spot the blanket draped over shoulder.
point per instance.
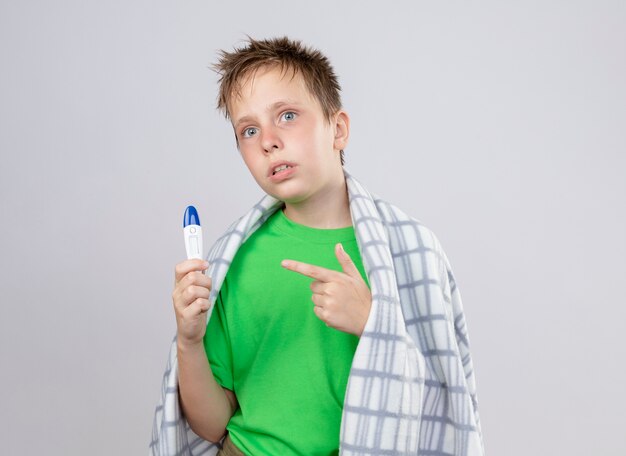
(411, 388)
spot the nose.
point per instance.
(270, 140)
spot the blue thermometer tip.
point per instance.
(191, 217)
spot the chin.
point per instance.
(290, 197)
(285, 191)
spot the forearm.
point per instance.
(205, 404)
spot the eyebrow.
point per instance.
(272, 107)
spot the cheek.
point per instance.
(320, 140)
(251, 162)
(247, 153)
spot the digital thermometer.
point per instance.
(193, 233)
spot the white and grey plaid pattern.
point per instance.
(411, 388)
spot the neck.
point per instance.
(327, 210)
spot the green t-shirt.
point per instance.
(265, 343)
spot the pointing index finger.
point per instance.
(309, 270)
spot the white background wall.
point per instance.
(500, 125)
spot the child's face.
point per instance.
(278, 122)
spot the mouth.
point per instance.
(280, 168)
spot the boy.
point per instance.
(299, 355)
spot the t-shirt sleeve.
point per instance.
(217, 342)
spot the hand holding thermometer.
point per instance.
(193, 233)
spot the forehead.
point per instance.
(268, 86)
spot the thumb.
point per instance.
(346, 262)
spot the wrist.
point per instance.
(188, 346)
(364, 319)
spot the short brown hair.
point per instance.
(287, 54)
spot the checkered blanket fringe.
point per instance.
(411, 389)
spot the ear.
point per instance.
(342, 130)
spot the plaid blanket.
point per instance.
(411, 388)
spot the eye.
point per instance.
(248, 132)
(289, 115)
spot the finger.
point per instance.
(195, 278)
(346, 262)
(318, 300)
(190, 294)
(318, 287)
(318, 312)
(192, 278)
(196, 308)
(184, 267)
(309, 270)
(321, 314)
(194, 291)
